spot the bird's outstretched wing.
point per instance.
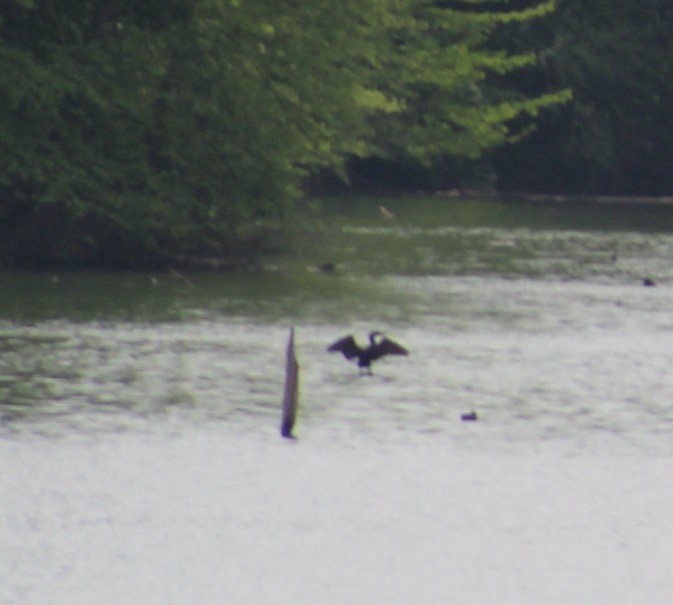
(347, 346)
(388, 347)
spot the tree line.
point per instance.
(141, 132)
(616, 136)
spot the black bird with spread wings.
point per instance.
(379, 345)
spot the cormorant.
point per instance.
(379, 345)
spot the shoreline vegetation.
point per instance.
(145, 134)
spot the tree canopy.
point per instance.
(616, 137)
(140, 131)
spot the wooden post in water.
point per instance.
(291, 393)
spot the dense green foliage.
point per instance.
(143, 131)
(617, 135)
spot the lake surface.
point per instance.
(139, 417)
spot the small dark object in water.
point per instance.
(649, 282)
(327, 268)
(469, 417)
(379, 346)
(291, 392)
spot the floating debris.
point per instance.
(385, 213)
(291, 393)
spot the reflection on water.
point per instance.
(546, 331)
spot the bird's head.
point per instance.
(374, 335)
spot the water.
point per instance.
(139, 418)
